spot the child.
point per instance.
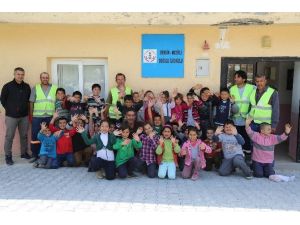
(60, 103)
(157, 120)
(75, 105)
(263, 147)
(167, 151)
(191, 115)
(232, 148)
(213, 158)
(193, 149)
(47, 154)
(125, 161)
(104, 157)
(225, 107)
(167, 105)
(95, 101)
(64, 146)
(128, 105)
(177, 112)
(82, 152)
(137, 102)
(147, 157)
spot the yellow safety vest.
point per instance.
(44, 105)
(261, 111)
(115, 96)
(243, 102)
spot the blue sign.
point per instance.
(163, 55)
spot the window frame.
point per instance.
(80, 63)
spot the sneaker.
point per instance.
(249, 177)
(100, 174)
(132, 175)
(33, 159)
(36, 164)
(8, 160)
(195, 176)
(25, 156)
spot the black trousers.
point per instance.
(108, 166)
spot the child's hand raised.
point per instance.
(173, 139)
(234, 131)
(74, 118)
(83, 117)
(57, 133)
(219, 130)
(80, 129)
(152, 134)
(161, 140)
(202, 146)
(288, 128)
(136, 137)
(248, 121)
(43, 126)
(139, 131)
(117, 132)
(55, 114)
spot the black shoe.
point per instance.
(25, 156)
(9, 160)
(32, 160)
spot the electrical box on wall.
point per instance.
(202, 67)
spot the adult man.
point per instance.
(241, 92)
(264, 103)
(131, 122)
(42, 107)
(117, 94)
(15, 100)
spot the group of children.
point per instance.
(190, 132)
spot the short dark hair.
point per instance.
(125, 127)
(166, 93)
(96, 86)
(262, 125)
(190, 94)
(192, 129)
(204, 89)
(135, 93)
(77, 93)
(242, 74)
(120, 74)
(60, 89)
(224, 90)
(229, 122)
(179, 96)
(62, 118)
(157, 115)
(104, 121)
(19, 69)
(210, 128)
(128, 98)
(131, 110)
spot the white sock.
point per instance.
(278, 178)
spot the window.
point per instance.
(80, 75)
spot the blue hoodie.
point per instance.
(48, 144)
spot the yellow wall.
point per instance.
(32, 46)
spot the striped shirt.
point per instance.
(263, 145)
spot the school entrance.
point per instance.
(283, 74)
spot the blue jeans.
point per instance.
(35, 129)
(65, 157)
(48, 162)
(167, 167)
(263, 169)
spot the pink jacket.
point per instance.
(188, 156)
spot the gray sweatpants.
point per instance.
(11, 125)
(228, 165)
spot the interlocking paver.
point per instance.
(24, 188)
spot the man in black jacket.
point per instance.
(15, 100)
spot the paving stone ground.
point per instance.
(27, 189)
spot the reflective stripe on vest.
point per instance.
(261, 112)
(243, 102)
(44, 105)
(115, 96)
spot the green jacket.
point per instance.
(97, 140)
(125, 152)
(167, 151)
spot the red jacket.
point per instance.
(64, 144)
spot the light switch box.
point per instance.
(202, 67)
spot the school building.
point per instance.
(157, 51)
